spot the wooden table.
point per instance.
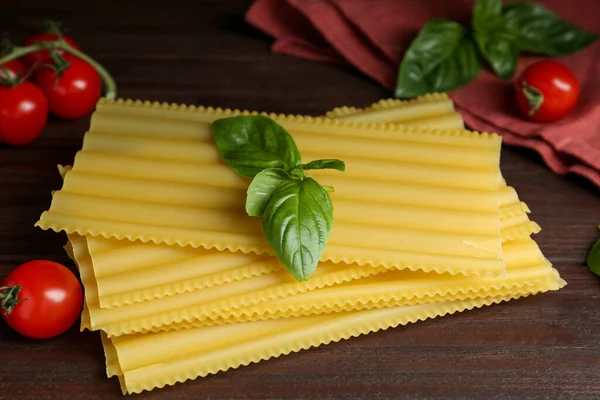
(194, 52)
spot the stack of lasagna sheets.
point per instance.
(182, 284)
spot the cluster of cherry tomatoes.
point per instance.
(42, 82)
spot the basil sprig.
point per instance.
(296, 211)
(593, 258)
(445, 55)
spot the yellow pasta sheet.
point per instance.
(244, 299)
(430, 111)
(151, 172)
(154, 360)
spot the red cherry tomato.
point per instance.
(46, 299)
(547, 91)
(43, 56)
(23, 113)
(75, 93)
(15, 69)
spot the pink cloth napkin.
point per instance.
(372, 35)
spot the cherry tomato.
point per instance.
(43, 56)
(41, 299)
(23, 113)
(547, 91)
(75, 93)
(14, 67)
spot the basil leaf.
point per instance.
(486, 12)
(539, 30)
(500, 49)
(497, 45)
(250, 144)
(593, 258)
(262, 188)
(324, 164)
(441, 58)
(296, 223)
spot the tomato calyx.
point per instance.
(60, 64)
(7, 80)
(10, 298)
(534, 97)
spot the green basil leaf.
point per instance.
(539, 30)
(250, 144)
(500, 49)
(593, 258)
(495, 42)
(297, 222)
(262, 188)
(441, 58)
(486, 12)
(325, 164)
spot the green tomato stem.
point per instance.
(534, 97)
(109, 82)
(10, 298)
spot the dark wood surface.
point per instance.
(194, 52)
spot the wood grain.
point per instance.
(201, 52)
